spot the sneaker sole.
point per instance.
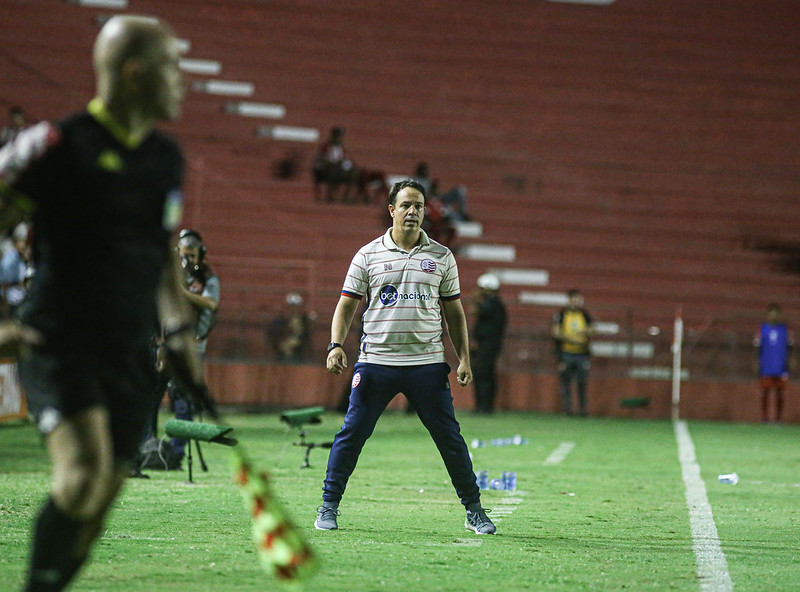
(320, 528)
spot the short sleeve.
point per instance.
(356, 283)
(450, 288)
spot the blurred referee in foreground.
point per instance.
(104, 190)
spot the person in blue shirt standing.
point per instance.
(774, 347)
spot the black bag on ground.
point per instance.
(158, 455)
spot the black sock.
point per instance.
(53, 562)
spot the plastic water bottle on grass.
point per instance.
(509, 481)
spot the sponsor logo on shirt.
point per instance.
(389, 296)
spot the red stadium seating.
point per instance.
(630, 150)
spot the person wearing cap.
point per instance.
(489, 329)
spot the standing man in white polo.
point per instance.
(410, 282)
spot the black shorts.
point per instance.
(65, 382)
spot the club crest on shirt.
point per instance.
(356, 380)
(427, 265)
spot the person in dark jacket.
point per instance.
(490, 327)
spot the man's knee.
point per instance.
(83, 491)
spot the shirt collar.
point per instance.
(97, 109)
(389, 243)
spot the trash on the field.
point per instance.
(731, 479)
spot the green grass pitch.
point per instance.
(612, 515)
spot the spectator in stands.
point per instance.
(453, 202)
(490, 325)
(438, 222)
(290, 334)
(16, 123)
(372, 186)
(14, 268)
(572, 330)
(333, 169)
(774, 343)
(422, 176)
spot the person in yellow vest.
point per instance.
(572, 330)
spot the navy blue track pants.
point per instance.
(428, 389)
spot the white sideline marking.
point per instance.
(712, 567)
(476, 542)
(510, 500)
(560, 453)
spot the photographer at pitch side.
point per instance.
(202, 290)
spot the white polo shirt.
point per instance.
(402, 324)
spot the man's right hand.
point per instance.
(337, 361)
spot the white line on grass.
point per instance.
(712, 567)
(560, 453)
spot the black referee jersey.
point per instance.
(104, 205)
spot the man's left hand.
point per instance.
(464, 373)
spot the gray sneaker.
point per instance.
(479, 523)
(326, 518)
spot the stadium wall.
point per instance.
(289, 386)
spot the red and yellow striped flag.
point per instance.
(282, 550)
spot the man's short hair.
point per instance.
(400, 185)
(573, 292)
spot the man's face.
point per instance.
(162, 80)
(576, 301)
(190, 254)
(774, 316)
(408, 210)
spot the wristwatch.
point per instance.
(333, 345)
